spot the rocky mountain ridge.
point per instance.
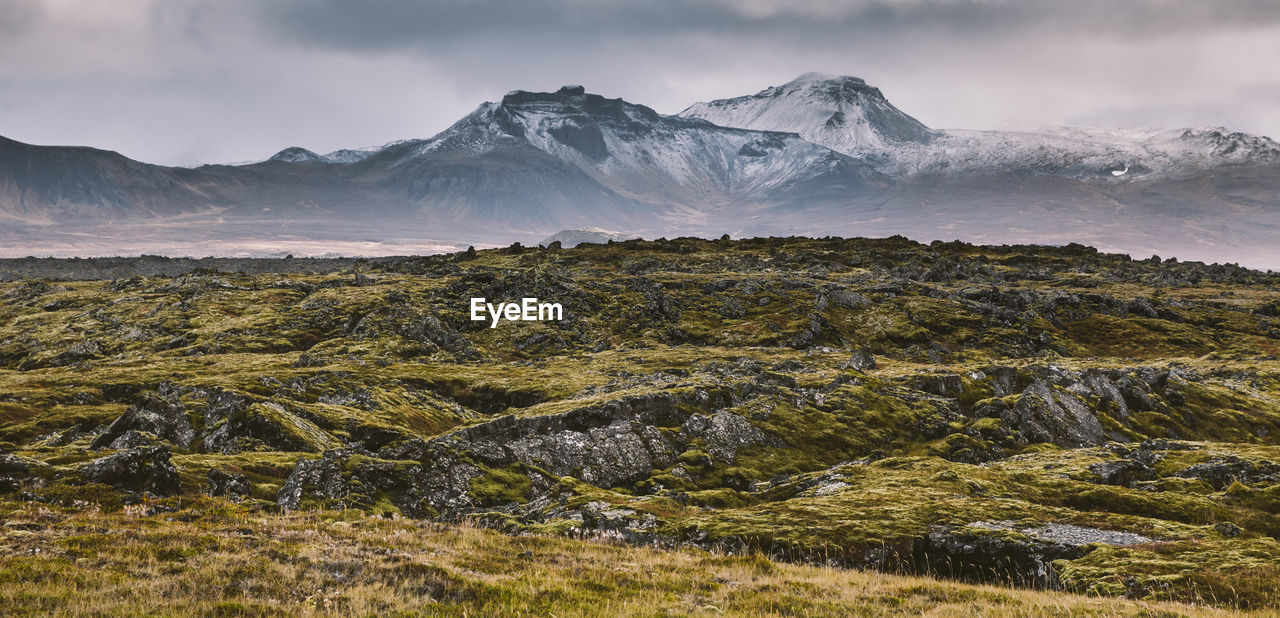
(818, 155)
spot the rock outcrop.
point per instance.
(141, 470)
(161, 417)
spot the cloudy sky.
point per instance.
(188, 81)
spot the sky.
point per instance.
(181, 82)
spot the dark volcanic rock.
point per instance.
(832, 296)
(439, 486)
(611, 444)
(164, 418)
(16, 471)
(268, 425)
(1221, 472)
(1125, 472)
(79, 351)
(234, 486)
(862, 360)
(725, 433)
(141, 470)
(1048, 414)
(1004, 380)
(946, 385)
(983, 557)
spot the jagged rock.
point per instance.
(374, 437)
(318, 477)
(725, 433)
(776, 379)
(984, 557)
(1221, 472)
(1024, 561)
(1046, 414)
(733, 308)
(271, 426)
(439, 485)
(609, 445)
(862, 360)
(1004, 380)
(1124, 473)
(836, 297)
(163, 418)
(139, 470)
(945, 385)
(235, 486)
(16, 471)
(221, 406)
(307, 360)
(1100, 385)
(79, 351)
(1227, 529)
(133, 439)
(600, 516)
(809, 336)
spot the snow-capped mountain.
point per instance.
(1081, 153)
(849, 116)
(840, 112)
(626, 160)
(816, 156)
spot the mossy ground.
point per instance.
(389, 355)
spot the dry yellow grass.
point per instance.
(210, 558)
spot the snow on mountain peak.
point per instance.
(815, 76)
(296, 154)
(837, 111)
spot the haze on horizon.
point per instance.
(182, 82)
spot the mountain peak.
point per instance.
(815, 77)
(841, 112)
(297, 154)
(574, 100)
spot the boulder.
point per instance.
(1048, 414)
(15, 471)
(163, 418)
(834, 297)
(232, 485)
(1124, 472)
(437, 486)
(1221, 472)
(268, 426)
(988, 557)
(1004, 379)
(943, 384)
(140, 470)
(726, 433)
(862, 360)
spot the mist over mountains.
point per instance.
(820, 155)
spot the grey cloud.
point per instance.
(380, 24)
(185, 81)
(19, 15)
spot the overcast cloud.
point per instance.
(188, 81)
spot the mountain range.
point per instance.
(818, 155)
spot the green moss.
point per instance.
(500, 486)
